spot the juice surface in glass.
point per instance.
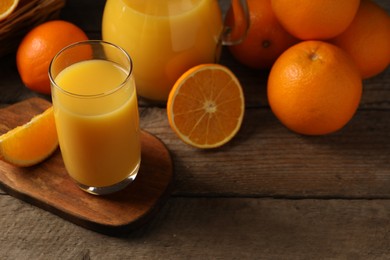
(164, 38)
(99, 136)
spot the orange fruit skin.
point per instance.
(315, 19)
(367, 39)
(31, 143)
(314, 88)
(38, 48)
(266, 39)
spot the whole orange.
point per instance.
(38, 48)
(315, 19)
(314, 88)
(367, 39)
(266, 39)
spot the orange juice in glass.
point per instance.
(96, 115)
(164, 38)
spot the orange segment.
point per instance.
(30, 143)
(206, 106)
(7, 7)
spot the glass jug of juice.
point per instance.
(165, 38)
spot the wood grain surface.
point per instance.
(267, 194)
(48, 185)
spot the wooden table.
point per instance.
(269, 193)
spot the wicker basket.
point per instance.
(27, 15)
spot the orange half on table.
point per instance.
(30, 143)
(206, 106)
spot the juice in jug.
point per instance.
(164, 38)
(99, 137)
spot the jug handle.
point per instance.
(237, 22)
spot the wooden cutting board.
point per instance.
(48, 186)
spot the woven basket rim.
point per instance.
(28, 14)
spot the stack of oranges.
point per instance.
(318, 53)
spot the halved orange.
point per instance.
(7, 7)
(30, 143)
(206, 106)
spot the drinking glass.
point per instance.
(96, 114)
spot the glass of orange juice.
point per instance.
(167, 37)
(96, 114)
